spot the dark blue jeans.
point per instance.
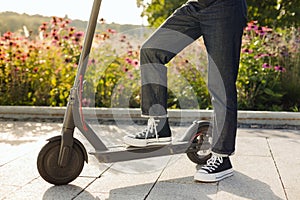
(220, 23)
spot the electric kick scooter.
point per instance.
(61, 160)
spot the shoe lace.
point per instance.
(213, 163)
(151, 128)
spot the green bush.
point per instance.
(39, 71)
(269, 69)
(289, 51)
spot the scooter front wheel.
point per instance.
(203, 135)
(47, 164)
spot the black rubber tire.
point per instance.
(203, 135)
(47, 164)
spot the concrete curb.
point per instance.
(249, 118)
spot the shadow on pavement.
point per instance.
(65, 192)
(237, 186)
(246, 187)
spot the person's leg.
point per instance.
(222, 24)
(178, 31)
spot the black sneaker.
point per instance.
(157, 133)
(216, 169)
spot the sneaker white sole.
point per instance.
(205, 177)
(144, 143)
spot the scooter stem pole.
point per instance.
(88, 40)
(72, 106)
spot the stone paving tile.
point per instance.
(17, 174)
(39, 189)
(122, 186)
(119, 195)
(268, 133)
(117, 183)
(293, 194)
(20, 138)
(18, 132)
(93, 168)
(177, 182)
(287, 158)
(255, 177)
(11, 152)
(20, 171)
(5, 190)
(177, 191)
(252, 146)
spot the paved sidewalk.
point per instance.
(266, 163)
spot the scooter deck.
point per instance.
(133, 153)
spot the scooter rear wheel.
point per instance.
(47, 164)
(203, 135)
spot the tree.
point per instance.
(273, 13)
(158, 10)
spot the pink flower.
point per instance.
(266, 66)
(247, 51)
(279, 68)
(128, 60)
(251, 26)
(12, 43)
(123, 38)
(78, 36)
(54, 20)
(130, 75)
(266, 29)
(135, 63)
(262, 55)
(91, 61)
(7, 35)
(125, 69)
(111, 30)
(71, 29)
